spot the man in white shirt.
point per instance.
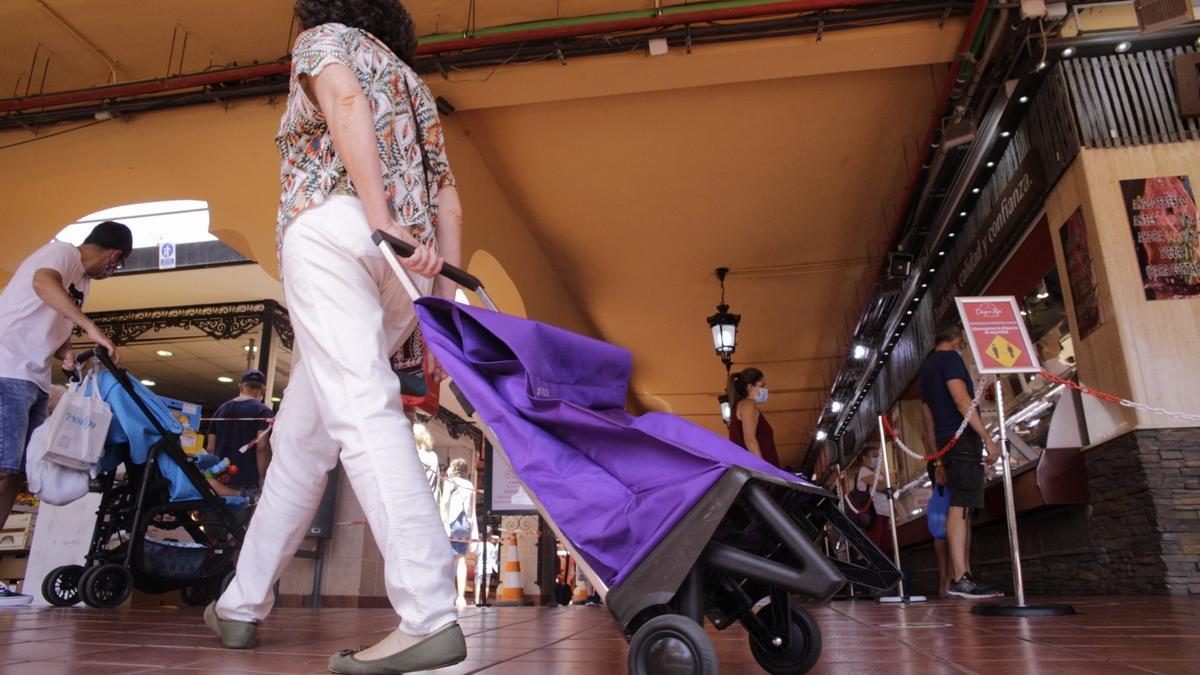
(40, 306)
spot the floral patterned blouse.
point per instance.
(312, 169)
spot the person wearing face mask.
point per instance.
(748, 427)
(40, 306)
(870, 481)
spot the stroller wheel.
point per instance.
(106, 586)
(672, 644)
(801, 651)
(195, 596)
(61, 586)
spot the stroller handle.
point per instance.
(101, 352)
(405, 249)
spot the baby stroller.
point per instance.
(160, 526)
(671, 523)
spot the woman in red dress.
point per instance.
(748, 427)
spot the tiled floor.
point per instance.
(1109, 635)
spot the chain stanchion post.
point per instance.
(887, 482)
(1014, 547)
(1010, 508)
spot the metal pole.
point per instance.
(1009, 507)
(887, 481)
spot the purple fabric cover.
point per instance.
(614, 483)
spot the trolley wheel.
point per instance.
(106, 586)
(61, 586)
(195, 596)
(801, 650)
(672, 644)
(218, 585)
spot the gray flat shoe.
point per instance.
(234, 634)
(443, 648)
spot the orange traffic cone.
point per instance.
(583, 590)
(512, 587)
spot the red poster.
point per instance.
(998, 336)
(1162, 213)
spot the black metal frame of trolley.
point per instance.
(128, 507)
(750, 537)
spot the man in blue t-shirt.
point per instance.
(948, 394)
(240, 433)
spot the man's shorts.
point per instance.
(964, 471)
(23, 407)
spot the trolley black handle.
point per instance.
(73, 375)
(405, 249)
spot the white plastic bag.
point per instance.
(52, 482)
(77, 428)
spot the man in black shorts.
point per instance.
(948, 393)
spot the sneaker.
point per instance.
(966, 587)
(988, 590)
(11, 599)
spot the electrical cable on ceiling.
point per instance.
(52, 134)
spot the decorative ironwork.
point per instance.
(221, 321)
(457, 427)
(282, 324)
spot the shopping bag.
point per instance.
(419, 388)
(52, 483)
(77, 428)
(937, 511)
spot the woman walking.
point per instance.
(362, 150)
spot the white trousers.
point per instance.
(349, 313)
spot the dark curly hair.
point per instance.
(387, 20)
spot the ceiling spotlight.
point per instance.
(164, 353)
(1024, 313)
(275, 399)
(991, 164)
(1066, 54)
(1023, 99)
(962, 214)
(1042, 65)
(860, 352)
(225, 379)
(951, 235)
(930, 269)
(1043, 292)
(941, 253)
(1124, 46)
(836, 406)
(821, 435)
(910, 312)
(1005, 134)
(975, 191)
(149, 383)
(924, 285)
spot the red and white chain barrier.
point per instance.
(962, 428)
(1049, 377)
(1084, 389)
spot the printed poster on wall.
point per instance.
(1162, 214)
(1080, 274)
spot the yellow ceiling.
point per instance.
(634, 176)
(84, 36)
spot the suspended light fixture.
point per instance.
(724, 325)
(821, 435)
(726, 411)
